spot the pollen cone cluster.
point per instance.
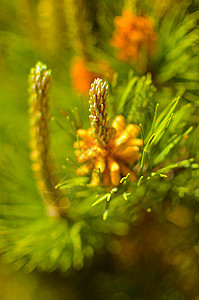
(106, 151)
(132, 34)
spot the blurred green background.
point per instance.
(54, 32)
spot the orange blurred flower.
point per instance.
(82, 76)
(106, 150)
(131, 34)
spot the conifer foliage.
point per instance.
(99, 170)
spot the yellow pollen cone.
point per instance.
(114, 171)
(95, 178)
(135, 142)
(127, 152)
(131, 131)
(78, 144)
(85, 169)
(84, 135)
(100, 164)
(119, 123)
(131, 157)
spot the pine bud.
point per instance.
(98, 110)
(40, 80)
